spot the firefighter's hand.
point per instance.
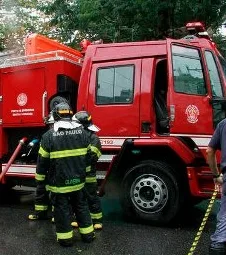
(218, 182)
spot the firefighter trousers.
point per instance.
(94, 202)
(62, 213)
(41, 200)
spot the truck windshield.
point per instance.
(223, 64)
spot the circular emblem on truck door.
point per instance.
(192, 113)
(21, 99)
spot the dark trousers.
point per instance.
(94, 202)
(62, 213)
(219, 235)
(41, 198)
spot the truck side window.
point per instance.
(187, 71)
(115, 85)
(215, 82)
(223, 64)
(214, 75)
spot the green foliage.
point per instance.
(70, 21)
(220, 41)
(2, 37)
(129, 20)
(20, 17)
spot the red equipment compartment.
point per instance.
(21, 104)
(23, 107)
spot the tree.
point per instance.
(126, 20)
(220, 41)
(70, 21)
(18, 18)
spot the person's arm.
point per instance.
(43, 161)
(212, 161)
(95, 148)
(214, 145)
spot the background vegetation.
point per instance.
(70, 21)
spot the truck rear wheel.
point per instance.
(151, 193)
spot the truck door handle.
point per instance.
(44, 96)
(145, 126)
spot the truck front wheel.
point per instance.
(151, 193)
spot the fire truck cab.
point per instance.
(157, 104)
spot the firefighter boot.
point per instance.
(217, 249)
(88, 238)
(74, 224)
(38, 215)
(66, 242)
(98, 226)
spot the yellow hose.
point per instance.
(204, 220)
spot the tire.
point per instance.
(57, 100)
(151, 193)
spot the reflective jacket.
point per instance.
(63, 157)
(95, 147)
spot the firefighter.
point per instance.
(61, 165)
(41, 194)
(91, 185)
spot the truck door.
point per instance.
(191, 90)
(114, 100)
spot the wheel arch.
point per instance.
(130, 155)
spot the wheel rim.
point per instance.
(149, 193)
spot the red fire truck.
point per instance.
(157, 104)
